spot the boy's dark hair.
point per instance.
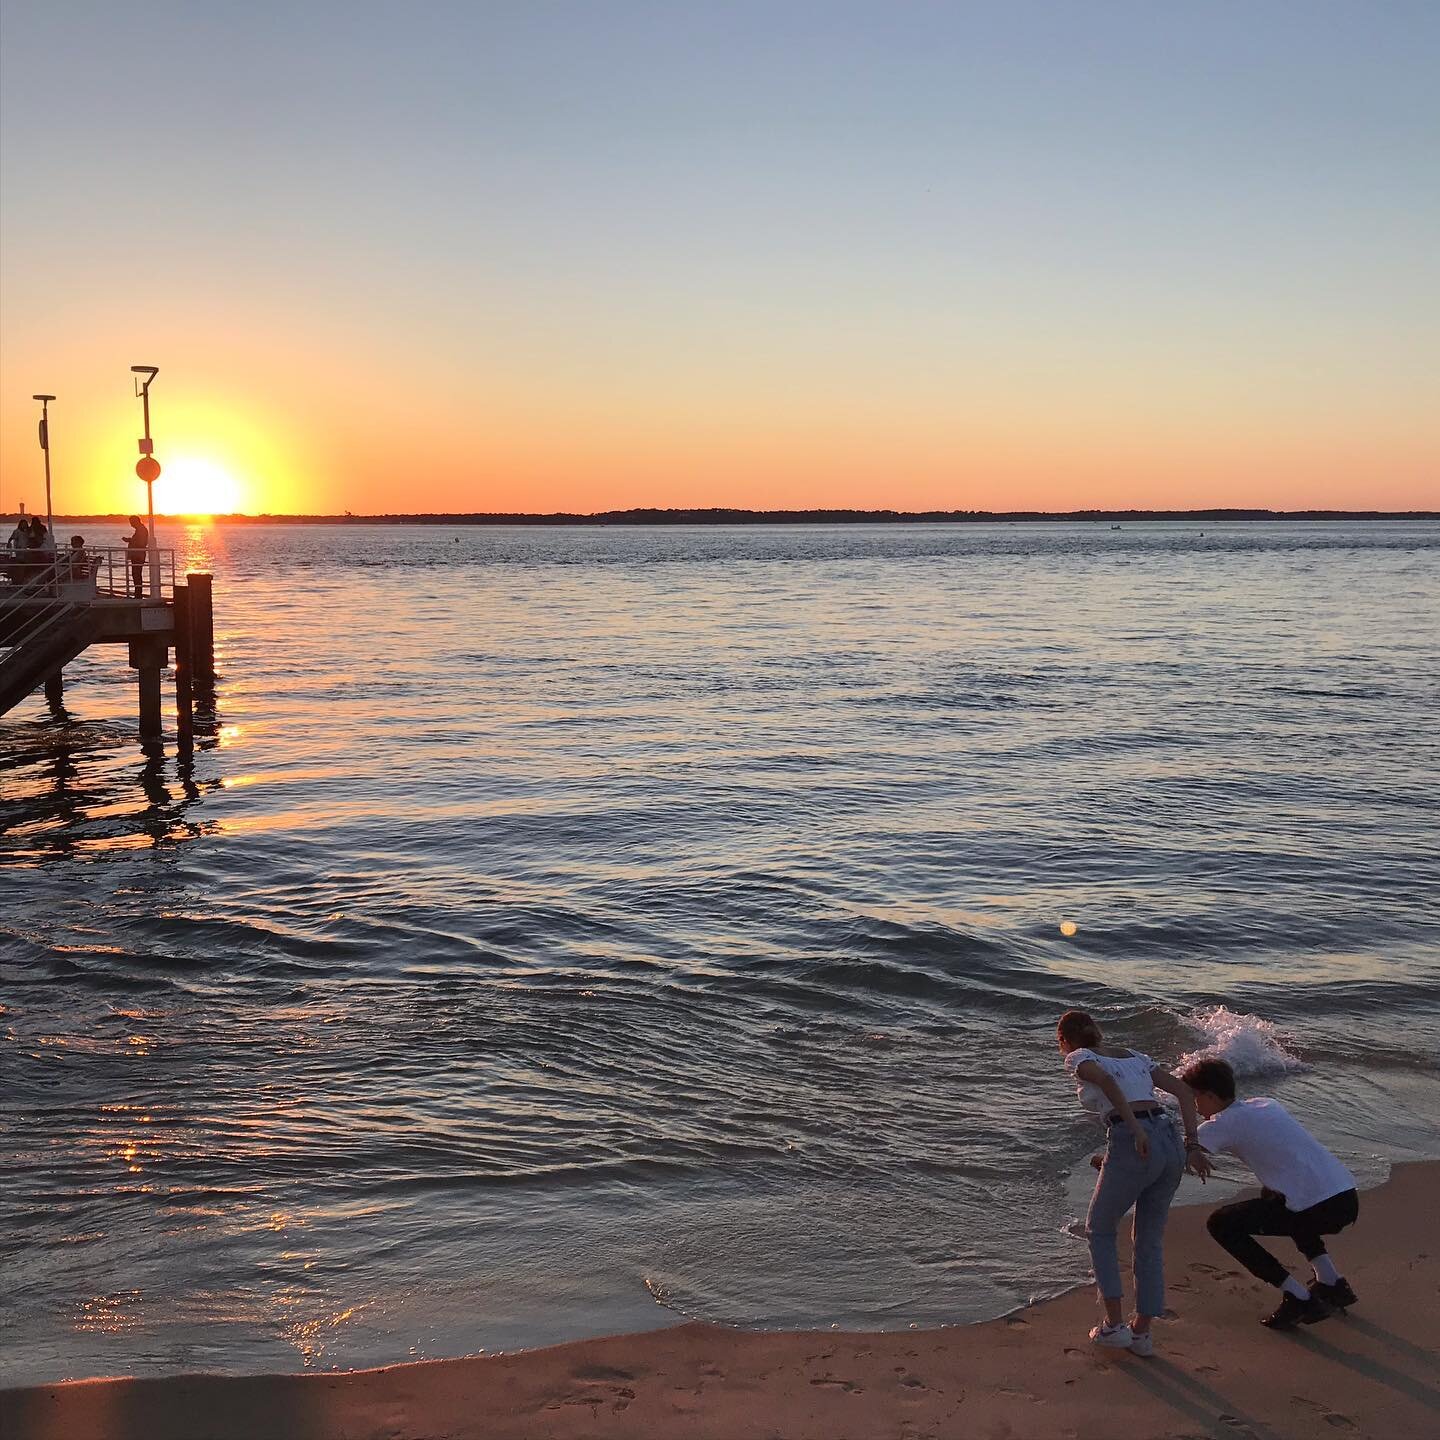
(1215, 1077)
(1077, 1028)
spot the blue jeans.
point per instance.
(1149, 1185)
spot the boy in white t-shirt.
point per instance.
(1307, 1193)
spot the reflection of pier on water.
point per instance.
(77, 788)
(74, 785)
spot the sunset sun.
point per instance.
(194, 485)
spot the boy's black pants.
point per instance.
(1235, 1227)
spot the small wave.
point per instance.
(1251, 1045)
(1312, 692)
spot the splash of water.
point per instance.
(1251, 1045)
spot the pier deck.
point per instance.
(51, 613)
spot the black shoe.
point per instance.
(1292, 1312)
(1337, 1296)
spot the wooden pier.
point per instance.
(50, 614)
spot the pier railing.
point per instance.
(30, 622)
(53, 608)
(80, 576)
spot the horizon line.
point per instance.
(720, 515)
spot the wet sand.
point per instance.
(1373, 1372)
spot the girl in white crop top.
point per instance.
(1131, 1071)
(1141, 1170)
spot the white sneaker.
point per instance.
(1142, 1343)
(1113, 1337)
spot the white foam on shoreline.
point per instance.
(1251, 1045)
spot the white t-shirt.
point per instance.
(1284, 1155)
(1131, 1074)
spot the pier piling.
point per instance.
(184, 691)
(55, 690)
(148, 658)
(202, 627)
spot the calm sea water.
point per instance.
(565, 931)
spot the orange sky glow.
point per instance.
(915, 261)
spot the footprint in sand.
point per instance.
(1332, 1418)
(1213, 1270)
(603, 1389)
(848, 1386)
(1238, 1427)
(617, 1397)
(600, 1372)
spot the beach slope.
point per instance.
(1375, 1372)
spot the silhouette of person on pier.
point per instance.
(15, 551)
(136, 545)
(32, 551)
(77, 559)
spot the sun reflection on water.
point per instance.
(313, 1335)
(116, 1313)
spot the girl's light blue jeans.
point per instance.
(1149, 1185)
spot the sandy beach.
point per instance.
(1373, 1372)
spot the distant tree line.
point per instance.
(719, 516)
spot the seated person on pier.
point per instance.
(77, 563)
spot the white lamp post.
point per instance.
(148, 469)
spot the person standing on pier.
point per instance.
(17, 550)
(137, 543)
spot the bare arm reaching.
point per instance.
(1196, 1160)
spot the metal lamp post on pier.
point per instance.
(45, 446)
(148, 469)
